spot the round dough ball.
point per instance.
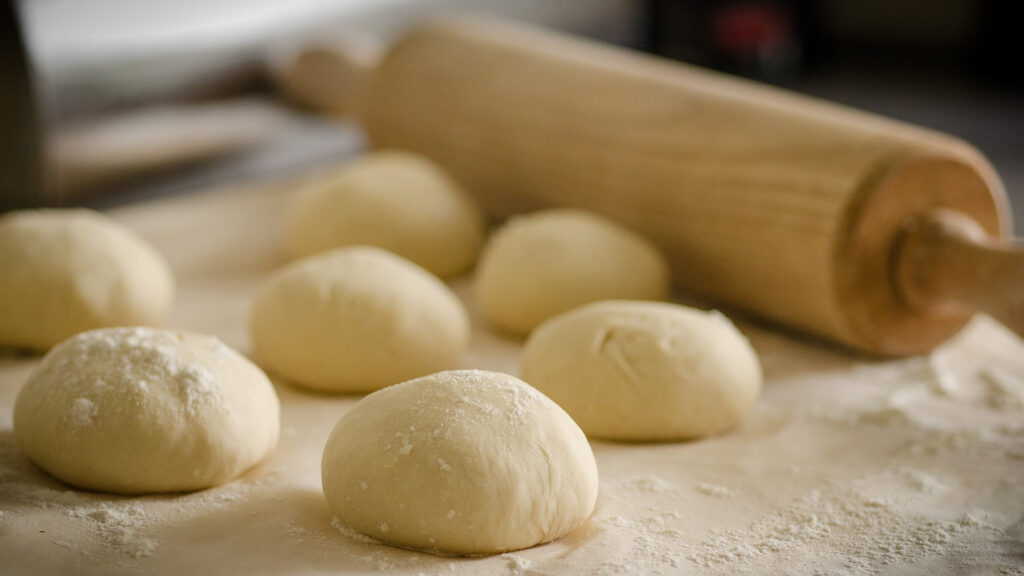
(644, 370)
(542, 264)
(356, 320)
(137, 410)
(66, 271)
(461, 462)
(398, 201)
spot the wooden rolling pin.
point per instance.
(872, 233)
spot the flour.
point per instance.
(141, 358)
(91, 523)
(650, 484)
(352, 534)
(864, 534)
(122, 526)
(943, 381)
(198, 386)
(406, 448)
(517, 565)
(82, 413)
(380, 556)
(1006, 391)
(714, 490)
(912, 398)
(514, 404)
(922, 481)
(653, 546)
(300, 535)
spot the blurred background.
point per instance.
(113, 100)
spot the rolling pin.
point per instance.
(872, 233)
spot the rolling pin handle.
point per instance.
(945, 262)
(328, 75)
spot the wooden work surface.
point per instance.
(847, 465)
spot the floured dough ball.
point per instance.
(545, 263)
(461, 462)
(356, 320)
(67, 271)
(398, 201)
(644, 370)
(137, 410)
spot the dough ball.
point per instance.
(66, 271)
(137, 410)
(545, 263)
(355, 320)
(644, 370)
(461, 462)
(398, 201)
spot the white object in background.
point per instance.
(110, 50)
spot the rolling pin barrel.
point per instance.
(763, 200)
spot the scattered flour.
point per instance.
(648, 483)
(922, 482)
(98, 524)
(1006, 391)
(517, 565)
(121, 525)
(406, 448)
(714, 490)
(942, 380)
(383, 557)
(82, 413)
(300, 534)
(142, 358)
(653, 545)
(864, 534)
(352, 534)
(901, 410)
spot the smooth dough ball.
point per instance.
(138, 410)
(398, 201)
(542, 264)
(461, 462)
(355, 320)
(66, 271)
(644, 370)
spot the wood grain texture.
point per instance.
(764, 200)
(948, 264)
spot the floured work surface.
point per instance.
(848, 465)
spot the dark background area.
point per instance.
(951, 65)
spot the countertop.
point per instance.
(847, 465)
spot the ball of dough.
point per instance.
(398, 201)
(461, 462)
(355, 320)
(137, 410)
(66, 271)
(644, 370)
(545, 263)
